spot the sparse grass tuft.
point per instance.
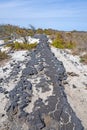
(3, 56)
(21, 46)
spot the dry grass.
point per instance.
(21, 46)
(76, 41)
(3, 56)
(84, 58)
(59, 42)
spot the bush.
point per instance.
(21, 46)
(58, 44)
(61, 44)
(3, 56)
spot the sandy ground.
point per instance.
(17, 56)
(76, 83)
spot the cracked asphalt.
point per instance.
(38, 101)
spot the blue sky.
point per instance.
(57, 14)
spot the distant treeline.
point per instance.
(8, 29)
(76, 37)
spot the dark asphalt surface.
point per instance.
(53, 114)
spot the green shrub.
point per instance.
(58, 44)
(3, 56)
(61, 44)
(21, 46)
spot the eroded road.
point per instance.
(38, 101)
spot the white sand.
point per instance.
(77, 97)
(37, 93)
(17, 56)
